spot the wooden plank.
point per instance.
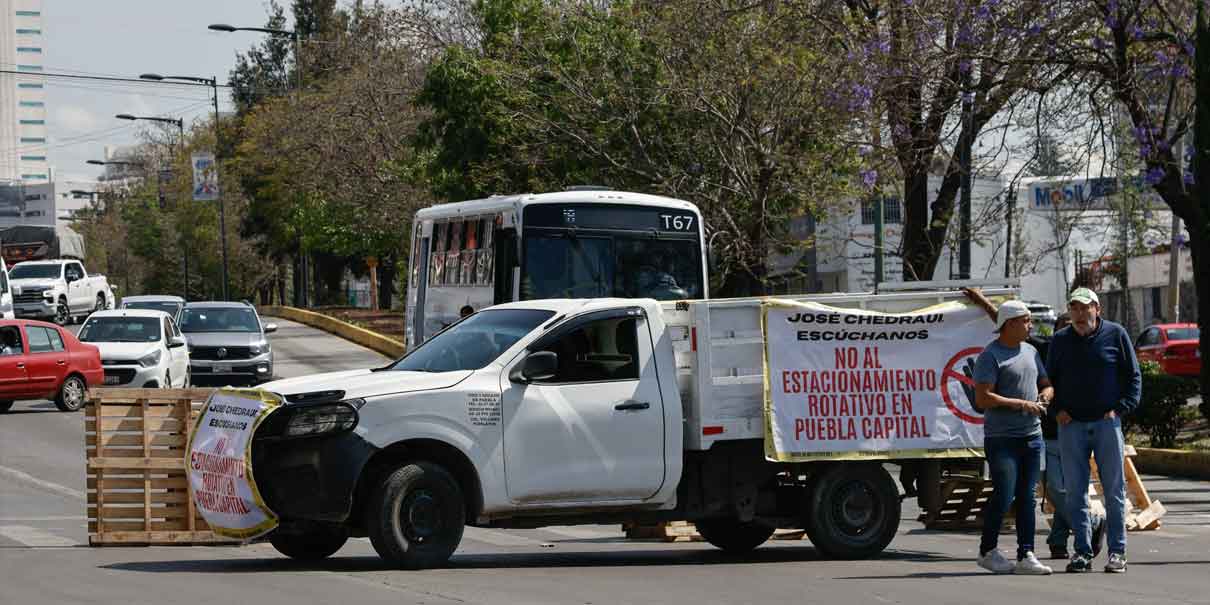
(135, 410)
(160, 537)
(137, 463)
(166, 424)
(138, 497)
(1149, 518)
(138, 525)
(176, 483)
(126, 452)
(137, 512)
(158, 440)
(1134, 487)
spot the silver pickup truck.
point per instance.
(58, 289)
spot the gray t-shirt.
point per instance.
(1013, 373)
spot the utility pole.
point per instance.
(964, 159)
(1008, 247)
(879, 240)
(1174, 260)
(1124, 266)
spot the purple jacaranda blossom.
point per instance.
(1188, 45)
(1144, 151)
(1098, 44)
(1136, 32)
(1180, 70)
(968, 97)
(864, 150)
(1154, 176)
(1034, 29)
(984, 12)
(1111, 22)
(869, 178)
(964, 66)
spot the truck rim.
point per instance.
(421, 516)
(854, 511)
(61, 313)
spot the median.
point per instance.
(369, 339)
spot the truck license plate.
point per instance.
(222, 369)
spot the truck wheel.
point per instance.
(100, 306)
(5, 406)
(71, 394)
(416, 516)
(854, 511)
(62, 313)
(317, 542)
(734, 536)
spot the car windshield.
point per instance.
(473, 342)
(1184, 333)
(169, 307)
(219, 319)
(121, 329)
(24, 271)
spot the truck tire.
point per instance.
(853, 511)
(416, 516)
(734, 536)
(71, 394)
(62, 312)
(5, 406)
(317, 542)
(101, 304)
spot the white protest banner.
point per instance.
(205, 177)
(219, 463)
(848, 384)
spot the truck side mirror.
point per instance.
(541, 365)
(270, 328)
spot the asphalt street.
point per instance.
(44, 557)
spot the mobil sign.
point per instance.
(1071, 194)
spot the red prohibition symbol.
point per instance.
(951, 372)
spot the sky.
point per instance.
(125, 38)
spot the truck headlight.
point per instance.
(259, 348)
(321, 419)
(150, 359)
(48, 294)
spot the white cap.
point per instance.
(1010, 310)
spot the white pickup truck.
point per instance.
(562, 412)
(58, 289)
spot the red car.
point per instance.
(1173, 346)
(40, 360)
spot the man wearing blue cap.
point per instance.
(1097, 381)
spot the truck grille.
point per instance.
(28, 297)
(211, 353)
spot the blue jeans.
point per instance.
(1102, 439)
(1056, 494)
(1015, 463)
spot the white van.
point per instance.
(6, 295)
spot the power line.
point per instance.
(41, 74)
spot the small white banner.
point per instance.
(220, 463)
(850, 384)
(205, 177)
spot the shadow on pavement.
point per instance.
(558, 559)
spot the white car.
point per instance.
(139, 348)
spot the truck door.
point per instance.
(78, 295)
(594, 431)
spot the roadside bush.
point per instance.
(1159, 414)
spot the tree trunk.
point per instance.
(1199, 247)
(386, 281)
(919, 257)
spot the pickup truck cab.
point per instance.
(562, 412)
(58, 289)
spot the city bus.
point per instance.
(580, 243)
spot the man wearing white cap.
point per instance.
(1097, 381)
(1012, 390)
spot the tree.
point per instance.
(1049, 159)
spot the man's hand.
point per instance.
(1033, 408)
(1063, 417)
(1110, 415)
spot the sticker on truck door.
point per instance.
(219, 463)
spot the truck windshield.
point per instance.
(219, 319)
(473, 342)
(566, 266)
(24, 271)
(121, 329)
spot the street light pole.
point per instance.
(222, 213)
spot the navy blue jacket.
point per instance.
(1094, 374)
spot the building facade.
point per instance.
(23, 150)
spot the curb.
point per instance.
(1179, 463)
(370, 340)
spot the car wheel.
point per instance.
(5, 406)
(62, 313)
(416, 516)
(71, 394)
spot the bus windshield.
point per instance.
(562, 265)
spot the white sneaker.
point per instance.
(1030, 566)
(995, 562)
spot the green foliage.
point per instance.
(1159, 415)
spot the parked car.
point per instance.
(1043, 316)
(43, 361)
(172, 305)
(6, 295)
(58, 289)
(1173, 346)
(228, 342)
(139, 348)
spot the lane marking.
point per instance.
(34, 537)
(33, 481)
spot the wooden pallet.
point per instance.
(670, 531)
(138, 493)
(961, 505)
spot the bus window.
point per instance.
(659, 269)
(567, 267)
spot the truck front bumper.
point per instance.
(310, 478)
(44, 308)
(254, 371)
